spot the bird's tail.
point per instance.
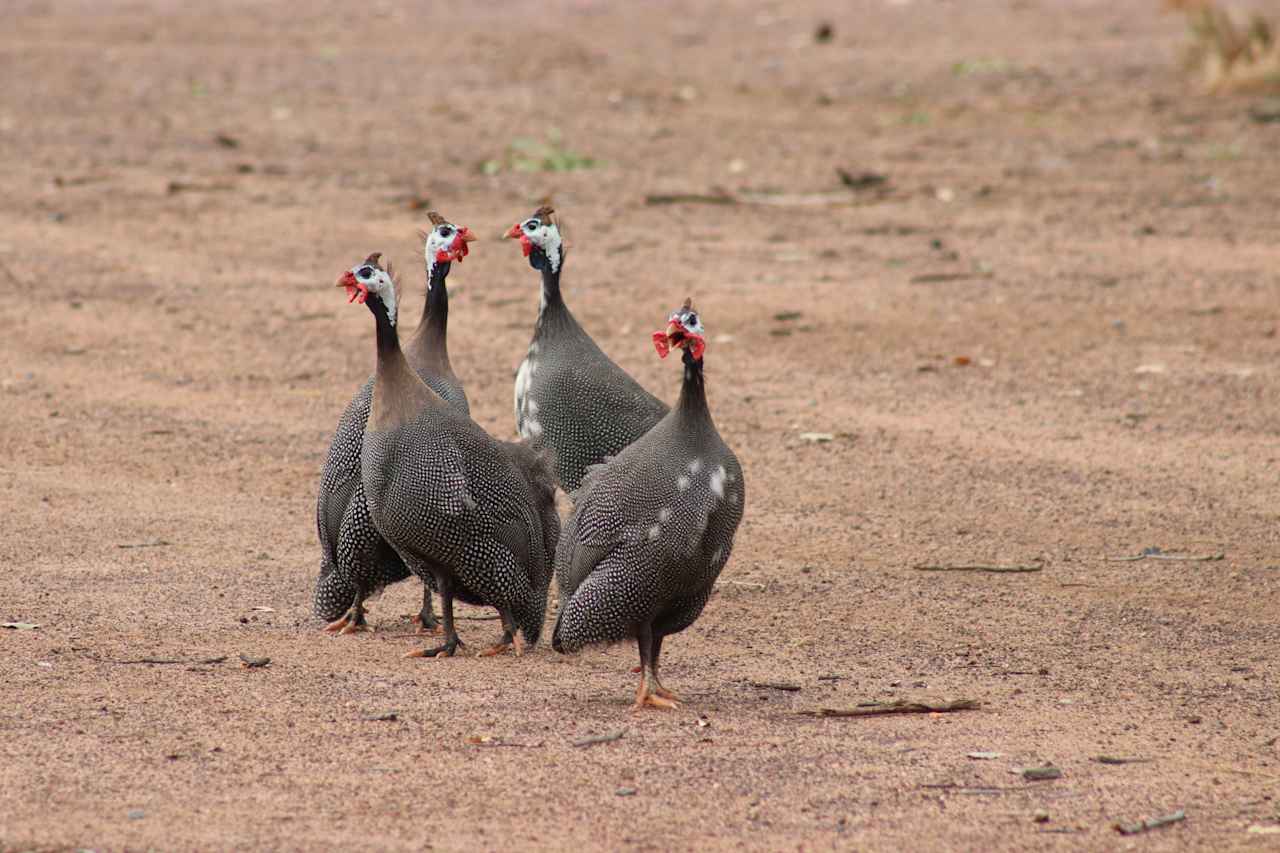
(334, 593)
(531, 617)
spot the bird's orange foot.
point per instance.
(666, 694)
(653, 700)
(506, 644)
(351, 621)
(652, 695)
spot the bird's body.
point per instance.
(569, 396)
(356, 562)
(472, 514)
(464, 511)
(649, 533)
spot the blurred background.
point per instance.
(985, 281)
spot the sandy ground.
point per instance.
(1060, 210)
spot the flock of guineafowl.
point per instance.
(413, 486)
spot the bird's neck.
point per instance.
(551, 298)
(552, 312)
(398, 393)
(388, 338)
(692, 404)
(431, 336)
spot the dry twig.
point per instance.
(496, 742)
(940, 277)
(777, 685)
(1039, 774)
(1034, 567)
(968, 789)
(1150, 823)
(690, 198)
(1111, 759)
(166, 660)
(897, 706)
(1154, 554)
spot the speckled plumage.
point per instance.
(452, 500)
(356, 562)
(650, 531)
(475, 514)
(570, 396)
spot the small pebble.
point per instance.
(626, 792)
(1040, 816)
(136, 814)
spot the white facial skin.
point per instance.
(689, 320)
(440, 239)
(379, 282)
(546, 236)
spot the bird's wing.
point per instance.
(340, 478)
(437, 482)
(594, 528)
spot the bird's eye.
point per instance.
(445, 230)
(691, 319)
(365, 272)
(532, 225)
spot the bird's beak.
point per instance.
(676, 337)
(355, 290)
(672, 337)
(513, 233)
(466, 235)
(675, 334)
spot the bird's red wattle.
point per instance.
(460, 249)
(357, 292)
(660, 344)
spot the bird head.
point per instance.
(539, 237)
(369, 278)
(445, 242)
(684, 330)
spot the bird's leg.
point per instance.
(658, 689)
(451, 641)
(510, 638)
(351, 621)
(426, 620)
(646, 693)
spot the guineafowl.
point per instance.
(355, 560)
(475, 515)
(652, 528)
(569, 396)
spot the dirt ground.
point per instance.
(179, 188)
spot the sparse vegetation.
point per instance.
(525, 154)
(1230, 56)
